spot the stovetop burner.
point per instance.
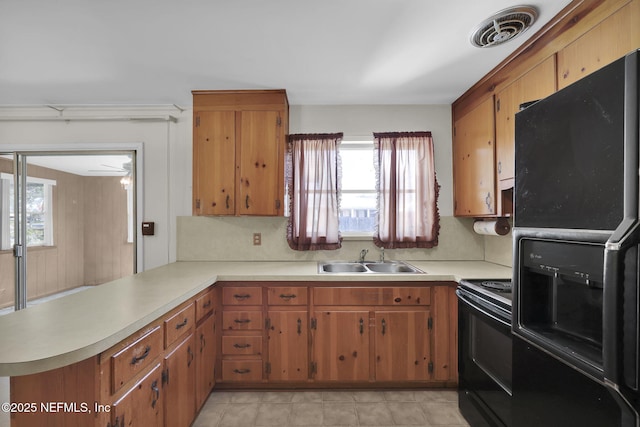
(496, 285)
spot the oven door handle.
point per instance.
(469, 302)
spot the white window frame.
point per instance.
(6, 180)
(365, 145)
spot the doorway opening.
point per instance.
(67, 223)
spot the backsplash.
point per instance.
(231, 239)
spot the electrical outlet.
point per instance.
(257, 239)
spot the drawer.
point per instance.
(179, 324)
(135, 357)
(396, 295)
(233, 345)
(242, 320)
(287, 295)
(241, 370)
(204, 305)
(242, 295)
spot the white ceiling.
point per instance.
(322, 52)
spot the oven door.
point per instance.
(484, 361)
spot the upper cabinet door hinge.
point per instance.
(279, 121)
(278, 204)
(267, 323)
(430, 367)
(267, 367)
(498, 105)
(313, 323)
(197, 121)
(313, 366)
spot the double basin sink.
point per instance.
(386, 267)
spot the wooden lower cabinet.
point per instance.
(363, 334)
(403, 345)
(340, 341)
(179, 379)
(287, 334)
(206, 351)
(143, 404)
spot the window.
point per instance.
(39, 224)
(358, 192)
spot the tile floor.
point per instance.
(331, 408)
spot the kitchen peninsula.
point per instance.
(103, 344)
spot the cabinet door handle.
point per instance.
(242, 346)
(242, 297)
(203, 342)
(156, 392)
(227, 201)
(242, 320)
(143, 356)
(384, 326)
(246, 201)
(361, 326)
(191, 357)
(287, 297)
(241, 371)
(299, 326)
(182, 324)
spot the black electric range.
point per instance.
(484, 351)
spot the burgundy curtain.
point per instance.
(313, 179)
(407, 190)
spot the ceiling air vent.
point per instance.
(503, 26)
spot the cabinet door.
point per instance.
(261, 183)
(288, 345)
(214, 159)
(143, 404)
(536, 84)
(613, 38)
(341, 346)
(474, 163)
(206, 353)
(179, 384)
(402, 345)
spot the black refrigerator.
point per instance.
(576, 253)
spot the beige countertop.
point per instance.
(67, 330)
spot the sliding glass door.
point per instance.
(68, 222)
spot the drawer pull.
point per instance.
(241, 297)
(287, 297)
(183, 324)
(242, 320)
(398, 299)
(241, 371)
(207, 304)
(143, 356)
(242, 346)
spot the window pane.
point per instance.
(358, 172)
(357, 213)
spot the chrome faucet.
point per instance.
(363, 253)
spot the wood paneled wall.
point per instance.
(90, 237)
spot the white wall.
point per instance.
(160, 142)
(167, 172)
(362, 120)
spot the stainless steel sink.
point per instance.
(387, 267)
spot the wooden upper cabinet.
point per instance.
(536, 84)
(474, 162)
(239, 140)
(611, 39)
